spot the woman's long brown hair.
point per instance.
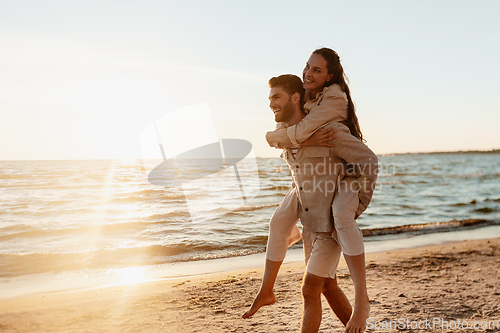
(339, 77)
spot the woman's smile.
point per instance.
(315, 74)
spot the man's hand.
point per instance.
(320, 138)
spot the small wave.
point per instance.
(59, 203)
(16, 228)
(149, 195)
(461, 204)
(17, 176)
(172, 196)
(16, 205)
(128, 199)
(222, 254)
(103, 230)
(47, 211)
(149, 192)
(256, 207)
(411, 207)
(429, 227)
(169, 216)
(394, 182)
(277, 194)
(493, 176)
(385, 174)
(277, 188)
(486, 210)
(432, 175)
(255, 240)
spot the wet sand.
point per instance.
(454, 282)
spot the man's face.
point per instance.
(281, 104)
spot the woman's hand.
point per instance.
(320, 138)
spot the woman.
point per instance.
(327, 99)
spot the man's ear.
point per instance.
(296, 98)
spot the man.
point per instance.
(317, 172)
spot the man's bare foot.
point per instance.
(357, 323)
(259, 301)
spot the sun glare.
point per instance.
(128, 162)
(131, 275)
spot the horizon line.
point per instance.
(475, 151)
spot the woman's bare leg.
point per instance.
(283, 232)
(266, 294)
(350, 238)
(356, 265)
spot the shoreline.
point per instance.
(453, 280)
(71, 282)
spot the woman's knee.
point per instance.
(283, 223)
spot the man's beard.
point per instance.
(285, 113)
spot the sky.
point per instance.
(83, 79)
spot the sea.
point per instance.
(67, 225)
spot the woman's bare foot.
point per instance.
(260, 301)
(357, 323)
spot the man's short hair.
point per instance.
(290, 83)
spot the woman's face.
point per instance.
(315, 74)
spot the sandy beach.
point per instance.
(454, 282)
